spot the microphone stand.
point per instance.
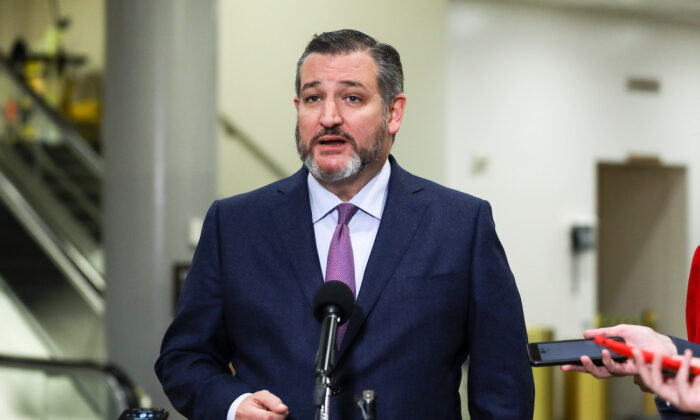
(368, 404)
(325, 362)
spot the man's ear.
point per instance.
(296, 103)
(398, 104)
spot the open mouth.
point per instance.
(332, 139)
(332, 142)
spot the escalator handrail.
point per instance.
(87, 280)
(92, 161)
(118, 381)
(234, 132)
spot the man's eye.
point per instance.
(352, 98)
(313, 98)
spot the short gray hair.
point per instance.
(346, 41)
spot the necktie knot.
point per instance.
(345, 212)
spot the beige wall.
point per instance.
(30, 19)
(259, 44)
(258, 47)
(13, 15)
(537, 98)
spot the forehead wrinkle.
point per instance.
(342, 67)
(353, 83)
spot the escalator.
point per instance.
(65, 389)
(51, 255)
(60, 171)
(65, 308)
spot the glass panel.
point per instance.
(31, 394)
(42, 153)
(21, 393)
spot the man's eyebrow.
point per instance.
(315, 83)
(310, 84)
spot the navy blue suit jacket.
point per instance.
(437, 289)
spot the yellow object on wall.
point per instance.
(544, 378)
(87, 111)
(586, 397)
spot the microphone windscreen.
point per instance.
(334, 293)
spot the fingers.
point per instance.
(636, 335)
(623, 368)
(597, 371)
(573, 368)
(270, 401)
(262, 405)
(610, 364)
(684, 391)
(665, 387)
(621, 330)
(641, 384)
(606, 332)
(646, 372)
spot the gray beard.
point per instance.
(352, 167)
(357, 162)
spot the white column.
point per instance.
(159, 128)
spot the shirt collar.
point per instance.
(370, 199)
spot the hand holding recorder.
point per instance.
(681, 390)
(667, 362)
(633, 335)
(565, 352)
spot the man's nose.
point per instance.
(330, 116)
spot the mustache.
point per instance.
(333, 131)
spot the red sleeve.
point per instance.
(692, 308)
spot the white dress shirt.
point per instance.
(363, 225)
(363, 229)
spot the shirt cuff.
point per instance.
(234, 406)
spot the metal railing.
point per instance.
(50, 208)
(102, 390)
(88, 281)
(249, 144)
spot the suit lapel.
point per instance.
(292, 216)
(402, 215)
(400, 219)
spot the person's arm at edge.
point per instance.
(634, 335)
(499, 375)
(234, 406)
(682, 345)
(193, 364)
(665, 408)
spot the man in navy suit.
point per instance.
(432, 282)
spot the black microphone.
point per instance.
(333, 304)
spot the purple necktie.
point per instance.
(341, 264)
